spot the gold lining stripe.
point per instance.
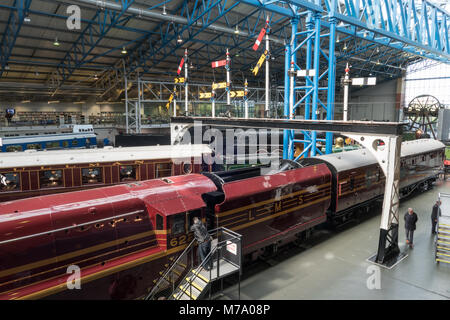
(279, 214)
(102, 273)
(73, 254)
(79, 262)
(226, 213)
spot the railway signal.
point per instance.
(205, 95)
(170, 101)
(261, 35)
(180, 67)
(217, 64)
(356, 82)
(220, 85)
(261, 60)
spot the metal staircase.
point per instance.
(443, 240)
(186, 280)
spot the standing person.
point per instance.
(204, 241)
(410, 225)
(435, 213)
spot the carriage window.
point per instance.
(52, 145)
(50, 179)
(92, 175)
(74, 143)
(352, 183)
(163, 170)
(178, 224)
(423, 158)
(65, 144)
(34, 146)
(14, 148)
(9, 181)
(127, 173)
(159, 222)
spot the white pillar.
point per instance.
(245, 99)
(228, 78)
(213, 102)
(346, 87)
(186, 103)
(267, 76)
(291, 92)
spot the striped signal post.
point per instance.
(246, 99)
(267, 76)
(213, 101)
(227, 67)
(186, 86)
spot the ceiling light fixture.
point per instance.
(56, 43)
(191, 66)
(237, 30)
(164, 10)
(179, 40)
(27, 18)
(54, 101)
(124, 51)
(26, 101)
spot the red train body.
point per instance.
(124, 237)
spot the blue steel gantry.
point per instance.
(419, 27)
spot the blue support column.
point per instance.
(286, 140)
(310, 93)
(331, 83)
(315, 100)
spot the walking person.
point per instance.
(435, 213)
(410, 225)
(204, 241)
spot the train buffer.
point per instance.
(443, 240)
(186, 280)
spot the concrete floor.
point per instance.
(334, 266)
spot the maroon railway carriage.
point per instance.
(124, 237)
(358, 180)
(28, 174)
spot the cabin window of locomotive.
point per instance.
(74, 143)
(9, 181)
(14, 148)
(159, 222)
(187, 168)
(34, 146)
(50, 179)
(65, 144)
(91, 175)
(163, 170)
(178, 224)
(127, 173)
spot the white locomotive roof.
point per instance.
(48, 137)
(348, 160)
(73, 156)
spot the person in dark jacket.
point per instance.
(435, 213)
(410, 226)
(204, 241)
